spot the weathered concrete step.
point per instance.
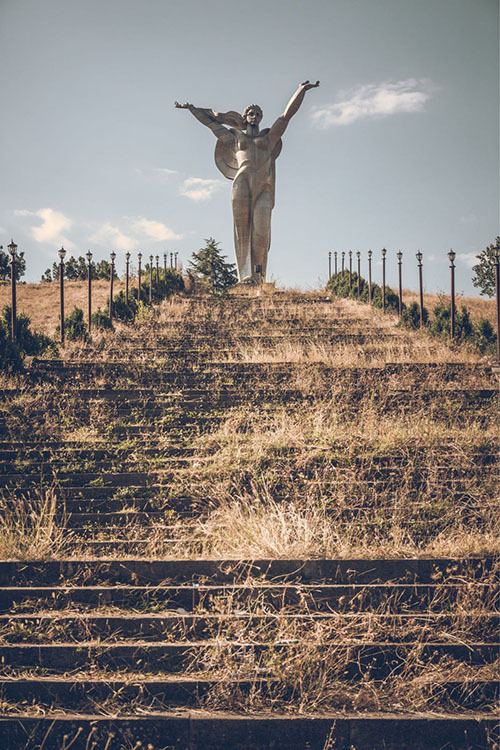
(36, 456)
(82, 693)
(321, 598)
(64, 626)
(354, 571)
(381, 658)
(217, 731)
(76, 479)
(83, 522)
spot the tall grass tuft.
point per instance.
(31, 527)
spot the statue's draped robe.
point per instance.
(255, 187)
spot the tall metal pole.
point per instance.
(171, 260)
(370, 253)
(165, 264)
(329, 265)
(176, 254)
(89, 276)
(111, 280)
(157, 271)
(343, 261)
(451, 256)
(62, 253)
(358, 255)
(13, 300)
(384, 252)
(127, 261)
(419, 257)
(350, 271)
(139, 277)
(400, 279)
(497, 288)
(150, 279)
(335, 254)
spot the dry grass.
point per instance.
(479, 307)
(31, 527)
(41, 301)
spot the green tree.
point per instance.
(210, 267)
(485, 270)
(5, 265)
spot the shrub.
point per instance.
(27, 342)
(101, 320)
(410, 317)
(75, 327)
(484, 336)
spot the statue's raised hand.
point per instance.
(306, 85)
(182, 106)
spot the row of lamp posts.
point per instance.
(419, 256)
(62, 254)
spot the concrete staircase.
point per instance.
(128, 637)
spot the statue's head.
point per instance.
(252, 114)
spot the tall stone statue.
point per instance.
(246, 155)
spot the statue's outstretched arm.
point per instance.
(291, 109)
(206, 117)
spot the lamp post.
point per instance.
(358, 255)
(111, 280)
(62, 253)
(370, 253)
(89, 276)
(127, 261)
(335, 266)
(419, 257)
(139, 270)
(384, 253)
(350, 271)
(157, 270)
(497, 289)
(343, 261)
(165, 265)
(176, 254)
(13, 301)
(171, 260)
(150, 279)
(329, 265)
(451, 256)
(400, 278)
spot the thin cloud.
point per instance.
(161, 172)
(468, 259)
(155, 230)
(198, 189)
(109, 234)
(54, 225)
(373, 101)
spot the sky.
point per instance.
(397, 148)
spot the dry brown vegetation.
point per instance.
(41, 302)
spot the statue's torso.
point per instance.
(252, 151)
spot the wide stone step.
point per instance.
(80, 694)
(320, 598)
(322, 570)
(380, 658)
(213, 731)
(65, 626)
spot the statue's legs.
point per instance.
(261, 234)
(242, 215)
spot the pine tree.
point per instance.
(209, 266)
(485, 270)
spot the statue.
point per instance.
(246, 155)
